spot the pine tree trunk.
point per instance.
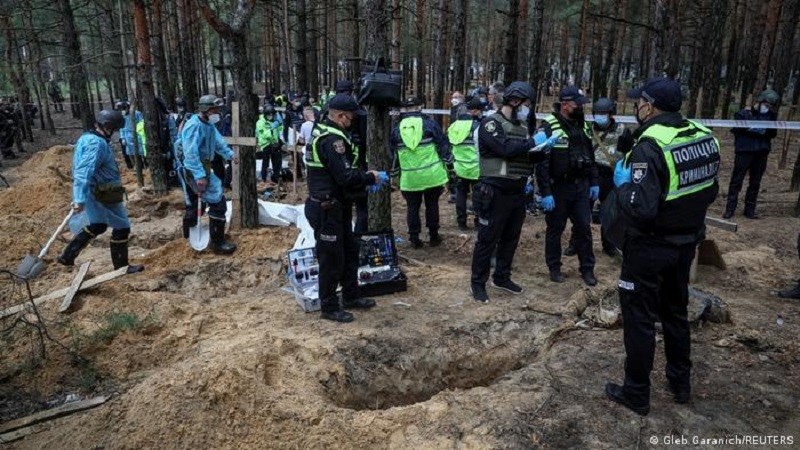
(78, 82)
(750, 57)
(732, 64)
(460, 37)
(788, 29)
(147, 99)
(311, 50)
(188, 70)
(300, 45)
(523, 61)
(536, 73)
(165, 83)
(422, 65)
(511, 44)
(767, 44)
(440, 60)
(378, 121)
(36, 56)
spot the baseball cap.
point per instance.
(573, 94)
(343, 102)
(663, 93)
(344, 86)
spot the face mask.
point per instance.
(181, 109)
(522, 113)
(763, 109)
(455, 102)
(213, 118)
(484, 101)
(269, 117)
(639, 120)
(601, 121)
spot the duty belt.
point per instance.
(325, 204)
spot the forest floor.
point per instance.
(205, 351)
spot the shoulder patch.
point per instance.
(638, 172)
(490, 126)
(339, 147)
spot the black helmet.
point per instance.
(110, 119)
(180, 102)
(269, 109)
(209, 101)
(769, 96)
(122, 105)
(519, 90)
(604, 105)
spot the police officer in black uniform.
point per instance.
(333, 179)
(358, 134)
(507, 156)
(665, 186)
(567, 181)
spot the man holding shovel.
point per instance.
(200, 140)
(97, 191)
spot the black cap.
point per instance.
(663, 93)
(413, 101)
(344, 86)
(343, 102)
(475, 103)
(573, 94)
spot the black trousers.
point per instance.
(500, 220)
(414, 203)
(654, 284)
(270, 154)
(337, 251)
(606, 185)
(754, 164)
(362, 215)
(572, 202)
(463, 190)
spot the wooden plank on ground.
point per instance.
(62, 292)
(722, 224)
(16, 434)
(53, 413)
(76, 284)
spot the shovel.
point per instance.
(32, 266)
(199, 235)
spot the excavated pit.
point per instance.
(389, 371)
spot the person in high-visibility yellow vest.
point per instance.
(422, 153)
(125, 135)
(664, 188)
(268, 137)
(461, 135)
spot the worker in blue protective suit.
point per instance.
(97, 191)
(200, 141)
(126, 133)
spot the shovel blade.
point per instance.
(26, 266)
(199, 237)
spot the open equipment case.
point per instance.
(378, 272)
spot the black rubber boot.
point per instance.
(436, 240)
(337, 316)
(750, 211)
(218, 243)
(615, 393)
(793, 292)
(74, 248)
(358, 303)
(119, 257)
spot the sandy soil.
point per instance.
(223, 358)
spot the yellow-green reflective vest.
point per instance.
(321, 130)
(142, 136)
(563, 140)
(464, 152)
(420, 165)
(692, 156)
(514, 168)
(267, 132)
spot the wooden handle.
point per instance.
(55, 235)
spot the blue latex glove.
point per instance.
(528, 189)
(548, 203)
(383, 178)
(539, 138)
(594, 192)
(373, 188)
(622, 174)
